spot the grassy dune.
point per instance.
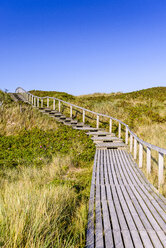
(45, 173)
(144, 111)
(45, 167)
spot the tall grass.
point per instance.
(15, 117)
(36, 212)
(45, 174)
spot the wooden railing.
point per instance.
(136, 145)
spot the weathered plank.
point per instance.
(99, 226)
(106, 220)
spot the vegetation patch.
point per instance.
(144, 111)
(45, 174)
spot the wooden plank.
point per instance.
(105, 168)
(110, 145)
(127, 238)
(109, 167)
(112, 167)
(94, 168)
(114, 159)
(106, 220)
(101, 168)
(98, 169)
(100, 133)
(106, 138)
(114, 220)
(99, 228)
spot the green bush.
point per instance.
(37, 146)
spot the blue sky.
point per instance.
(82, 46)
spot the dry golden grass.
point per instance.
(13, 119)
(35, 212)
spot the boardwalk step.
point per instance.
(110, 145)
(80, 124)
(72, 124)
(47, 110)
(76, 126)
(105, 139)
(85, 128)
(58, 114)
(53, 112)
(62, 117)
(57, 118)
(100, 133)
(70, 120)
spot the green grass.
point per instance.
(45, 174)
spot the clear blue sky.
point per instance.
(82, 46)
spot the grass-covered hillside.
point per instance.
(46, 168)
(144, 111)
(45, 174)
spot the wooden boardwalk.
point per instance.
(124, 209)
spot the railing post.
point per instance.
(110, 129)
(42, 103)
(140, 155)
(47, 102)
(54, 104)
(71, 111)
(126, 138)
(148, 162)
(83, 116)
(135, 148)
(97, 123)
(38, 102)
(161, 169)
(131, 142)
(34, 101)
(59, 106)
(119, 131)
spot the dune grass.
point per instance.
(45, 174)
(36, 211)
(144, 111)
(45, 167)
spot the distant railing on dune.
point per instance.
(131, 138)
